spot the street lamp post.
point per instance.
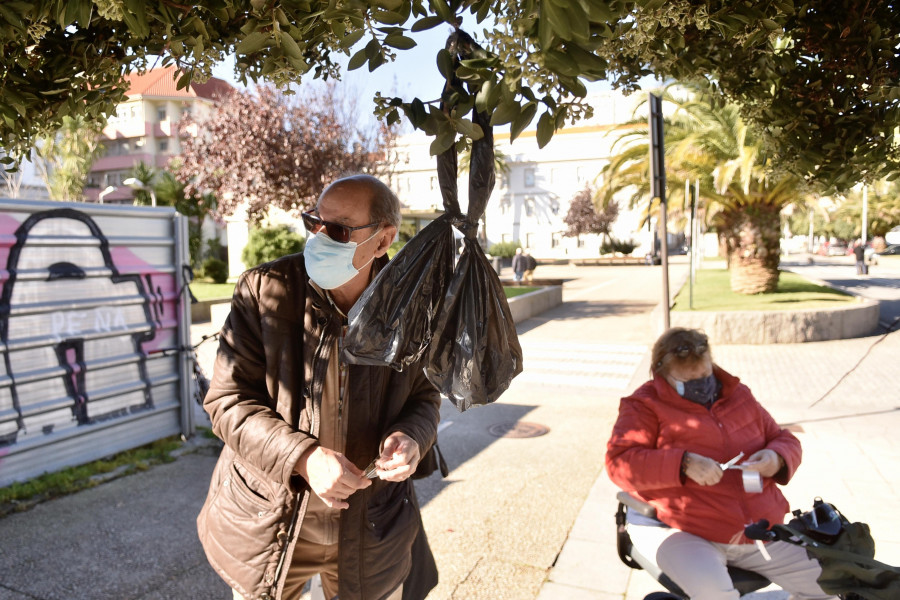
(137, 184)
(109, 189)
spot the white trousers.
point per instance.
(700, 567)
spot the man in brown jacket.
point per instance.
(315, 473)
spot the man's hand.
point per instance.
(701, 469)
(766, 462)
(331, 476)
(399, 457)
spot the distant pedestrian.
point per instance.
(859, 250)
(530, 266)
(518, 266)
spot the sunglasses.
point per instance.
(684, 350)
(336, 231)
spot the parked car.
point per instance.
(892, 250)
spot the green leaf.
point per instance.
(483, 97)
(290, 47)
(468, 129)
(389, 17)
(357, 60)
(426, 23)
(505, 112)
(11, 17)
(373, 49)
(400, 42)
(375, 62)
(523, 120)
(254, 42)
(135, 15)
(558, 19)
(443, 11)
(445, 63)
(349, 40)
(442, 142)
(545, 129)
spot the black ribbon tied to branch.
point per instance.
(449, 312)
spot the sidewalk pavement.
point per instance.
(135, 537)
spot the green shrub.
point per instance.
(395, 248)
(268, 243)
(504, 249)
(215, 269)
(612, 245)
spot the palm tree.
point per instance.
(64, 158)
(743, 200)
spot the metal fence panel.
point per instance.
(93, 323)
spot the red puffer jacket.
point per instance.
(656, 427)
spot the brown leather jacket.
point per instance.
(264, 403)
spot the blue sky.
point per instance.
(414, 73)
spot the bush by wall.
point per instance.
(504, 249)
(216, 269)
(269, 243)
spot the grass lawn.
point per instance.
(222, 291)
(712, 292)
(212, 291)
(513, 291)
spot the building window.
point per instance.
(555, 239)
(529, 177)
(580, 242)
(506, 238)
(163, 145)
(433, 183)
(161, 114)
(529, 240)
(529, 207)
(505, 205)
(581, 174)
(554, 206)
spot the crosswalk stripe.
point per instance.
(580, 364)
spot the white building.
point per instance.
(529, 203)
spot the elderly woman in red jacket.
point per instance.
(670, 442)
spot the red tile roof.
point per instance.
(161, 82)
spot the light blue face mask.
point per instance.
(329, 263)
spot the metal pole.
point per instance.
(658, 186)
(687, 194)
(865, 212)
(693, 239)
(697, 223)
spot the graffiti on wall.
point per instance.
(78, 320)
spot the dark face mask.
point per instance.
(703, 391)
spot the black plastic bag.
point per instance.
(473, 358)
(392, 322)
(458, 313)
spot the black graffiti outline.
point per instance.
(57, 271)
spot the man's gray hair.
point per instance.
(385, 206)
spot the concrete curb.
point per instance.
(534, 303)
(783, 326)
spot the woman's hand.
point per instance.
(699, 468)
(766, 462)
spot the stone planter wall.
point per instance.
(783, 326)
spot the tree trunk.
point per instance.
(753, 234)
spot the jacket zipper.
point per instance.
(315, 430)
(290, 534)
